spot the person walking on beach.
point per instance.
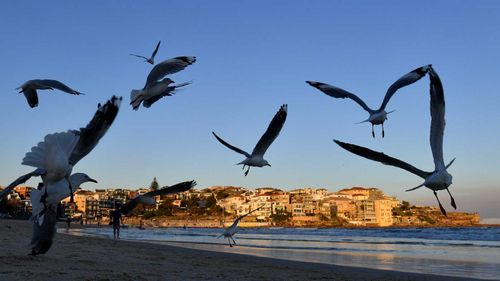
(116, 220)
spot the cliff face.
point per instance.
(432, 217)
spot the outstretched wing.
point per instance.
(142, 57)
(20, 180)
(438, 123)
(49, 83)
(156, 50)
(381, 157)
(237, 220)
(234, 148)
(407, 79)
(167, 67)
(272, 131)
(31, 96)
(339, 93)
(176, 188)
(95, 130)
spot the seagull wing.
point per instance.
(407, 79)
(56, 85)
(142, 57)
(20, 180)
(31, 96)
(237, 220)
(156, 50)
(339, 93)
(176, 188)
(437, 119)
(272, 131)
(167, 67)
(95, 130)
(231, 147)
(381, 157)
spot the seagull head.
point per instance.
(267, 163)
(79, 178)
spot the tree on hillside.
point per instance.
(154, 185)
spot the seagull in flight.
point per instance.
(149, 198)
(256, 159)
(157, 85)
(438, 179)
(231, 230)
(29, 89)
(150, 60)
(56, 156)
(378, 116)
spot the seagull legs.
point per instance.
(229, 241)
(452, 200)
(234, 242)
(72, 200)
(440, 206)
(373, 133)
(383, 130)
(246, 173)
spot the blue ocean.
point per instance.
(463, 252)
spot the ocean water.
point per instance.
(463, 252)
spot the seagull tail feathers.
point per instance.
(136, 97)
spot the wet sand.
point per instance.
(91, 258)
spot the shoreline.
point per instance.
(95, 258)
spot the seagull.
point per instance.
(256, 159)
(55, 157)
(377, 117)
(154, 89)
(44, 232)
(29, 89)
(148, 198)
(230, 231)
(438, 179)
(150, 60)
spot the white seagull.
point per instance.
(155, 89)
(29, 89)
(148, 198)
(151, 59)
(438, 179)
(54, 159)
(378, 116)
(256, 159)
(231, 230)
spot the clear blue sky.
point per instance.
(254, 56)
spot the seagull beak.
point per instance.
(92, 180)
(269, 165)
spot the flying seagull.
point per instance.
(59, 152)
(256, 159)
(378, 116)
(155, 89)
(148, 198)
(231, 230)
(150, 60)
(438, 179)
(29, 89)
(44, 232)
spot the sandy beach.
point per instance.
(88, 258)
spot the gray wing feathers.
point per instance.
(20, 180)
(95, 130)
(167, 67)
(339, 93)
(57, 85)
(272, 131)
(177, 188)
(234, 148)
(438, 123)
(381, 157)
(407, 79)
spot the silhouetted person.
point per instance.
(116, 221)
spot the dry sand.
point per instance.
(88, 258)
